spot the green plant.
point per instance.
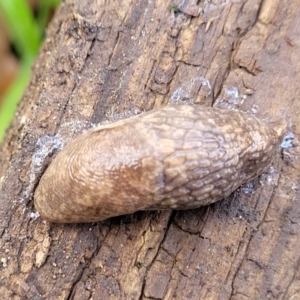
(26, 34)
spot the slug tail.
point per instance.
(279, 127)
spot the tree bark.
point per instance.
(102, 61)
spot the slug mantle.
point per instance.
(176, 157)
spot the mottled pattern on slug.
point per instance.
(177, 157)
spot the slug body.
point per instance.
(177, 157)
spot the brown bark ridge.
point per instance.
(107, 60)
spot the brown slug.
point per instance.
(176, 157)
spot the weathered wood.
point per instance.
(106, 61)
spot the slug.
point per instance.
(176, 157)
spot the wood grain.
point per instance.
(101, 61)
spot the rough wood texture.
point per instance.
(104, 61)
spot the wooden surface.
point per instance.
(106, 61)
